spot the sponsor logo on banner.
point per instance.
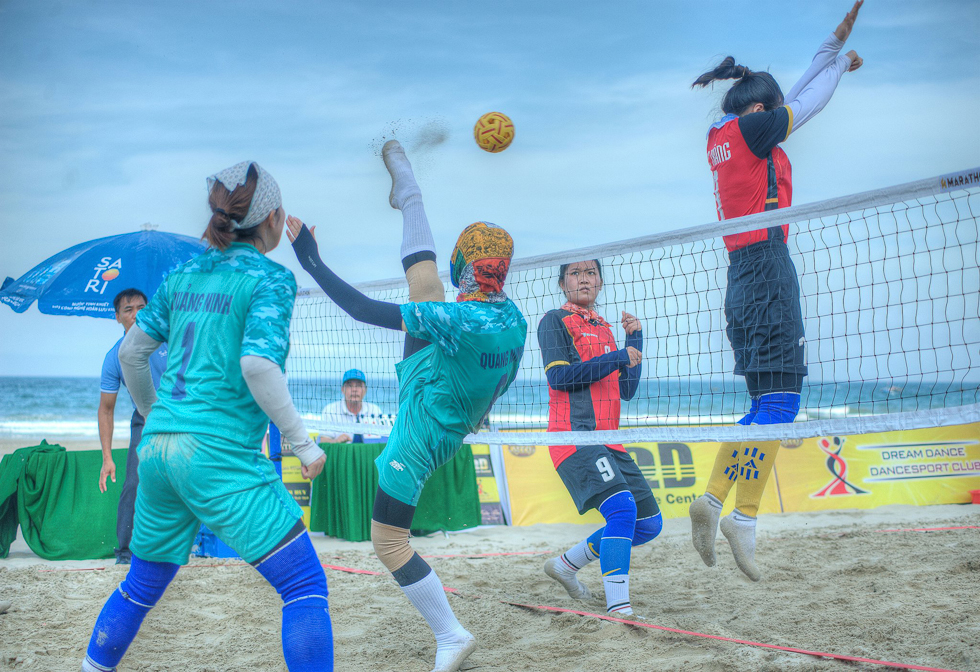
(837, 466)
(961, 180)
(104, 272)
(917, 461)
(675, 469)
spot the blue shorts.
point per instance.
(762, 307)
(187, 479)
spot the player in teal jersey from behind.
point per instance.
(225, 316)
(460, 357)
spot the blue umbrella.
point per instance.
(84, 279)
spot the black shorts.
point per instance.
(762, 307)
(593, 473)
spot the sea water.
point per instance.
(36, 408)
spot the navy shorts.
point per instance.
(593, 473)
(762, 307)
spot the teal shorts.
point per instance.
(187, 479)
(417, 447)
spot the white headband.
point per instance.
(265, 199)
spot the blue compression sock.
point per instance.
(777, 407)
(124, 611)
(619, 510)
(307, 637)
(750, 416)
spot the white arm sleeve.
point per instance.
(267, 384)
(815, 96)
(134, 360)
(821, 61)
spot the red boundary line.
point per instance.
(637, 624)
(487, 555)
(932, 529)
(492, 555)
(818, 654)
(640, 624)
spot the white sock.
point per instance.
(429, 598)
(714, 501)
(89, 666)
(416, 235)
(577, 557)
(617, 594)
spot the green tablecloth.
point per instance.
(342, 497)
(53, 494)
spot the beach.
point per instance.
(868, 584)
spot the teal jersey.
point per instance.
(212, 311)
(478, 350)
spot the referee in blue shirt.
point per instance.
(127, 303)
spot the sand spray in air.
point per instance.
(419, 137)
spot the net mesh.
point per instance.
(890, 294)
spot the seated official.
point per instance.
(351, 410)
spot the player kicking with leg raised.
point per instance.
(444, 392)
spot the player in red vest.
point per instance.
(762, 305)
(587, 377)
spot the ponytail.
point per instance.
(227, 206)
(725, 70)
(751, 87)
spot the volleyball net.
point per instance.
(890, 294)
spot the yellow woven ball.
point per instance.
(494, 132)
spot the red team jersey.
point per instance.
(751, 172)
(589, 408)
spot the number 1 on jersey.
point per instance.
(187, 345)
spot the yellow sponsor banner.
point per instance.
(927, 466)
(491, 511)
(938, 465)
(298, 487)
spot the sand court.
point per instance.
(834, 582)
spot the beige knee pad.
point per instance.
(391, 545)
(424, 283)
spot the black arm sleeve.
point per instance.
(764, 130)
(351, 301)
(571, 377)
(557, 353)
(629, 379)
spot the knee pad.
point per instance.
(424, 283)
(146, 581)
(647, 529)
(619, 510)
(777, 407)
(391, 545)
(295, 571)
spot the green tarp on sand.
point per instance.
(53, 494)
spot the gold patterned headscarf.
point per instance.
(479, 263)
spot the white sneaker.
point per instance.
(403, 182)
(451, 655)
(704, 512)
(739, 529)
(576, 589)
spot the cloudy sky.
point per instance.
(113, 113)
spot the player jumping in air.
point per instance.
(225, 316)
(459, 358)
(762, 305)
(587, 377)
